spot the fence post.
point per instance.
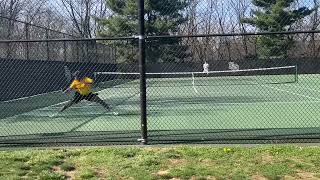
(47, 37)
(64, 49)
(95, 44)
(77, 52)
(9, 37)
(27, 43)
(142, 69)
(314, 46)
(114, 54)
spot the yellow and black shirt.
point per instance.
(82, 86)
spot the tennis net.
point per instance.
(273, 75)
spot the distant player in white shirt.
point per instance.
(206, 67)
(233, 66)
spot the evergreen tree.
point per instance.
(162, 17)
(275, 16)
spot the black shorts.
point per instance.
(78, 97)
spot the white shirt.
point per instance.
(205, 67)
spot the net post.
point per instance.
(193, 83)
(142, 69)
(192, 74)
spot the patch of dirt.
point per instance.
(207, 161)
(258, 177)
(176, 162)
(207, 178)
(286, 177)
(302, 176)
(267, 158)
(99, 172)
(307, 175)
(162, 173)
(301, 161)
(68, 174)
(56, 169)
(211, 178)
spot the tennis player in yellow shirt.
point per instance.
(82, 86)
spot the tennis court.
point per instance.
(182, 107)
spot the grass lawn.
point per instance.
(165, 162)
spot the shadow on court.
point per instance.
(12, 108)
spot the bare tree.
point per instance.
(10, 9)
(222, 26)
(24, 10)
(208, 29)
(33, 9)
(240, 8)
(201, 20)
(315, 20)
(190, 28)
(82, 12)
(100, 10)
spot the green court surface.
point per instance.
(205, 112)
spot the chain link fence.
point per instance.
(210, 78)
(243, 98)
(13, 29)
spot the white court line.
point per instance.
(241, 103)
(81, 107)
(278, 89)
(15, 116)
(48, 107)
(303, 88)
(40, 109)
(12, 100)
